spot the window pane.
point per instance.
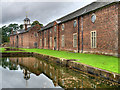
(93, 39)
(62, 40)
(45, 41)
(50, 41)
(75, 40)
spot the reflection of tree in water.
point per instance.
(0, 61)
(6, 63)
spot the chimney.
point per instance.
(25, 26)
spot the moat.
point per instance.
(31, 72)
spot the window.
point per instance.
(75, 40)
(35, 44)
(36, 35)
(63, 43)
(41, 42)
(93, 18)
(93, 39)
(63, 26)
(45, 32)
(45, 41)
(50, 41)
(75, 23)
(50, 30)
(55, 28)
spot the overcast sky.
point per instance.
(44, 12)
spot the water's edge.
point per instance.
(70, 64)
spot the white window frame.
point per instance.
(74, 40)
(50, 41)
(94, 41)
(45, 42)
(40, 42)
(62, 41)
(63, 26)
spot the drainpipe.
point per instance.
(78, 35)
(58, 36)
(48, 39)
(82, 32)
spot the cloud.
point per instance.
(44, 12)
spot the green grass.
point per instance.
(2, 49)
(109, 63)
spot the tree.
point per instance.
(36, 22)
(21, 26)
(5, 31)
(14, 26)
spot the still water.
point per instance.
(31, 72)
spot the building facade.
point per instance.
(91, 29)
(27, 37)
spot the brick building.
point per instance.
(27, 37)
(92, 29)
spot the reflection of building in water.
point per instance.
(59, 76)
(26, 75)
(29, 63)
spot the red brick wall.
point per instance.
(12, 41)
(32, 37)
(46, 37)
(51, 35)
(29, 38)
(41, 36)
(68, 32)
(119, 29)
(106, 27)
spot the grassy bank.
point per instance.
(109, 63)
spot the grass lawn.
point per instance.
(3, 50)
(108, 63)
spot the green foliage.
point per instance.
(4, 34)
(21, 26)
(36, 22)
(14, 26)
(5, 31)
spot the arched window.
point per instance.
(75, 23)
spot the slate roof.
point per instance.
(20, 31)
(47, 26)
(91, 7)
